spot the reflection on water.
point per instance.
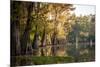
(84, 53)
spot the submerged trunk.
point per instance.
(91, 43)
(26, 35)
(76, 42)
(53, 44)
(43, 43)
(54, 37)
(15, 33)
(15, 39)
(24, 41)
(35, 43)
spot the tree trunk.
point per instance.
(54, 42)
(35, 43)
(26, 35)
(91, 43)
(76, 42)
(15, 39)
(43, 43)
(54, 37)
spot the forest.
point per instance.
(49, 33)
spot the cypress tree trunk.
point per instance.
(25, 37)
(76, 42)
(53, 44)
(43, 43)
(15, 39)
(36, 40)
(15, 33)
(35, 43)
(54, 37)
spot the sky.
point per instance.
(84, 9)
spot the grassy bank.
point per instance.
(39, 60)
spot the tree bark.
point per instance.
(15, 39)
(26, 35)
(43, 43)
(15, 33)
(35, 43)
(54, 37)
(76, 42)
